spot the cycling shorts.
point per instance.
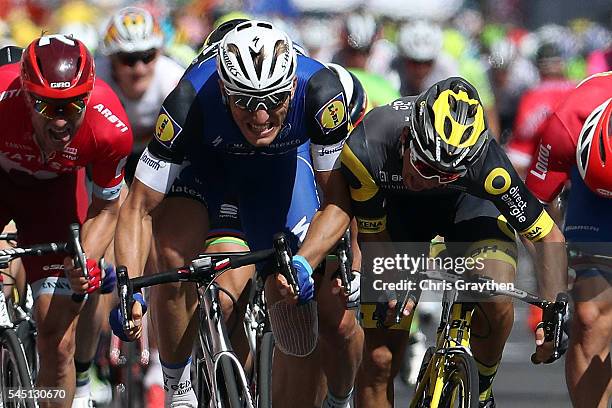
(274, 194)
(42, 211)
(473, 224)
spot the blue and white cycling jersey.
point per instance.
(199, 151)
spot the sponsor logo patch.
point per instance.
(333, 114)
(166, 128)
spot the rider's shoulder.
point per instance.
(105, 114)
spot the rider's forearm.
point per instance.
(324, 232)
(98, 228)
(131, 238)
(551, 264)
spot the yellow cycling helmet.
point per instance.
(449, 129)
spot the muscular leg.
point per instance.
(294, 375)
(179, 232)
(588, 369)
(491, 324)
(56, 318)
(340, 339)
(234, 281)
(382, 357)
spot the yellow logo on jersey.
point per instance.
(371, 226)
(540, 228)
(494, 177)
(166, 129)
(333, 114)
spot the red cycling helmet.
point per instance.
(57, 67)
(594, 150)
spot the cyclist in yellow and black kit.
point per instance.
(424, 166)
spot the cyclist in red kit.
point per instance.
(58, 119)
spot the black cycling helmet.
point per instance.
(218, 33)
(449, 128)
(357, 100)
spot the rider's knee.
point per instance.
(379, 360)
(587, 316)
(58, 346)
(499, 313)
(340, 332)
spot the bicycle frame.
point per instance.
(214, 341)
(453, 336)
(455, 329)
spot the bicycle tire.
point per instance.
(15, 371)
(422, 400)
(462, 371)
(264, 371)
(229, 386)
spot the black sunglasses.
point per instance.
(252, 103)
(131, 58)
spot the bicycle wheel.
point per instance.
(228, 386)
(264, 371)
(461, 382)
(14, 367)
(422, 401)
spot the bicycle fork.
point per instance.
(218, 355)
(453, 336)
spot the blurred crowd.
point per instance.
(409, 44)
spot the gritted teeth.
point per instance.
(260, 128)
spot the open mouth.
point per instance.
(260, 129)
(60, 135)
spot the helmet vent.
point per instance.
(233, 49)
(472, 111)
(584, 156)
(466, 133)
(448, 127)
(452, 102)
(602, 148)
(257, 58)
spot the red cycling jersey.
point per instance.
(45, 196)
(103, 140)
(535, 106)
(556, 152)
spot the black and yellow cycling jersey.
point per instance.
(372, 162)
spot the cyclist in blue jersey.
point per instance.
(265, 125)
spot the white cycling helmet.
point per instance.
(361, 30)
(257, 59)
(131, 29)
(420, 40)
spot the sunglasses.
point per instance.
(268, 103)
(428, 172)
(51, 110)
(131, 58)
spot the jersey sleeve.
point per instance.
(114, 145)
(554, 158)
(367, 199)
(327, 119)
(178, 126)
(493, 178)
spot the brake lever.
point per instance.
(343, 252)
(124, 290)
(283, 260)
(554, 317)
(78, 256)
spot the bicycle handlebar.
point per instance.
(554, 313)
(9, 236)
(203, 269)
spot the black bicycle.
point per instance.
(221, 379)
(18, 365)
